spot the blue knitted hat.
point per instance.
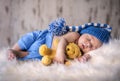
(101, 31)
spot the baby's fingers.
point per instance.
(84, 58)
(58, 60)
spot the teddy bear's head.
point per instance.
(73, 51)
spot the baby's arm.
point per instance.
(60, 53)
(64, 40)
(84, 58)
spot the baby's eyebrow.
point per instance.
(95, 47)
(93, 42)
(92, 37)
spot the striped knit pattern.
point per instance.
(79, 28)
(58, 27)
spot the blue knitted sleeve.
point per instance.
(28, 39)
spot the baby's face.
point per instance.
(88, 42)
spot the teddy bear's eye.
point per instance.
(68, 49)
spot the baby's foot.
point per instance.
(16, 54)
(11, 55)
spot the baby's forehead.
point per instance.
(88, 35)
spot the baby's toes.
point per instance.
(11, 55)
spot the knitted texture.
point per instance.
(100, 31)
(58, 27)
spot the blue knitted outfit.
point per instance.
(33, 40)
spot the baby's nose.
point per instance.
(88, 44)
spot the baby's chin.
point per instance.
(81, 49)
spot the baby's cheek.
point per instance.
(86, 50)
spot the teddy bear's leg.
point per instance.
(44, 50)
(67, 63)
(46, 60)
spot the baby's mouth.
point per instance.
(83, 46)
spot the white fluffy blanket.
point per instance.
(103, 66)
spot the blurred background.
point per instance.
(18, 17)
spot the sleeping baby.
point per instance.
(88, 37)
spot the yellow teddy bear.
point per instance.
(72, 51)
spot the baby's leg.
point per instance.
(16, 54)
(10, 54)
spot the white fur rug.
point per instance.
(104, 66)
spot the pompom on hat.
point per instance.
(58, 27)
(100, 31)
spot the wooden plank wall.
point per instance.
(18, 17)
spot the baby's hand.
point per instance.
(60, 58)
(84, 58)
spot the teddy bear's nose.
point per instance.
(73, 52)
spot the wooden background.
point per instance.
(18, 17)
